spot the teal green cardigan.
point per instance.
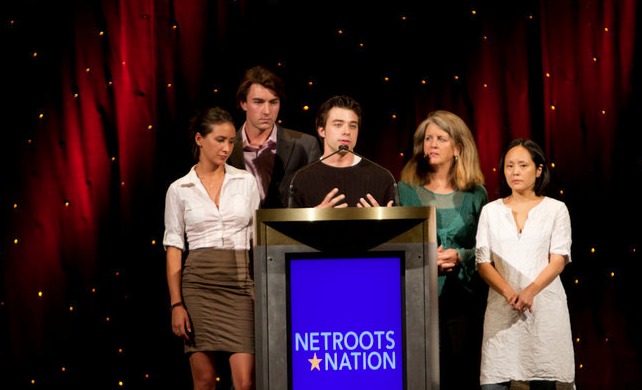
(457, 218)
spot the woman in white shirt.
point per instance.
(210, 214)
(523, 244)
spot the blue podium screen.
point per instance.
(346, 322)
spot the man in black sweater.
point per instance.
(341, 178)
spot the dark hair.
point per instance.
(202, 123)
(537, 155)
(341, 101)
(262, 76)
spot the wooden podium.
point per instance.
(403, 234)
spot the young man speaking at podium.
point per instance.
(341, 177)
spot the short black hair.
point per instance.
(537, 154)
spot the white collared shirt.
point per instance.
(191, 214)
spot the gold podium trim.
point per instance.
(349, 228)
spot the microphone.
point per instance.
(342, 148)
(394, 181)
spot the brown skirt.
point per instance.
(218, 292)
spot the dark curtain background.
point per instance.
(96, 100)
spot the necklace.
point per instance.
(212, 180)
(208, 184)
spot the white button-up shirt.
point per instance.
(190, 214)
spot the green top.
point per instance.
(457, 217)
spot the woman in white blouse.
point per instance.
(523, 244)
(210, 214)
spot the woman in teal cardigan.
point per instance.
(444, 171)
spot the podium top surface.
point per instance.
(349, 213)
(354, 228)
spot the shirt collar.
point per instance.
(230, 171)
(269, 143)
